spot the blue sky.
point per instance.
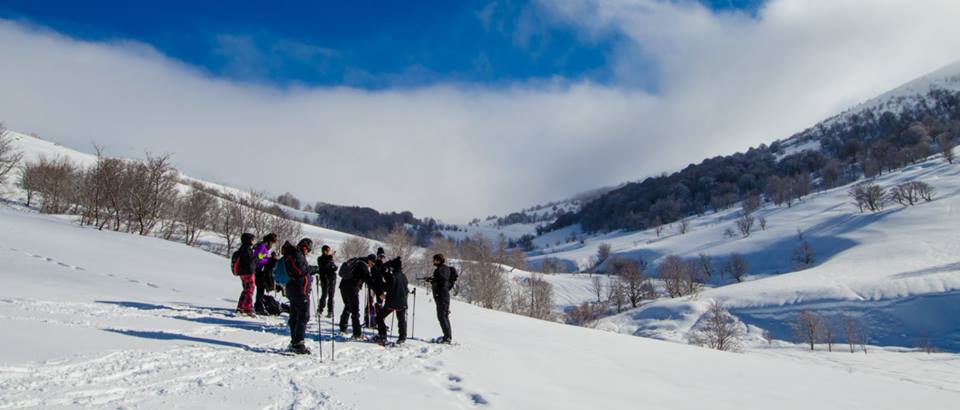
(358, 43)
(460, 109)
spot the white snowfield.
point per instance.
(103, 319)
(898, 269)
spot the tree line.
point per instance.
(149, 198)
(864, 144)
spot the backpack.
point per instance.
(347, 268)
(280, 276)
(235, 263)
(453, 278)
(271, 305)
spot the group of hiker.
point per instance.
(383, 281)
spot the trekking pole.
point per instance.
(319, 325)
(333, 334)
(413, 327)
(395, 313)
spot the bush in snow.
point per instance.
(745, 223)
(854, 333)
(635, 285)
(533, 297)
(584, 313)
(867, 196)
(736, 267)
(808, 328)
(804, 255)
(680, 277)
(717, 329)
(945, 144)
(9, 156)
(911, 193)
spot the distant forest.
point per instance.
(863, 144)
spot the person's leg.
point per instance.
(382, 327)
(324, 293)
(345, 296)
(443, 316)
(258, 302)
(401, 324)
(246, 298)
(355, 315)
(293, 320)
(331, 285)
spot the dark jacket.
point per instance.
(246, 263)
(298, 270)
(377, 279)
(441, 282)
(361, 274)
(395, 285)
(327, 268)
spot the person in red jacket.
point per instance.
(245, 268)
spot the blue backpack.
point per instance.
(280, 272)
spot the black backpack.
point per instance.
(347, 268)
(453, 278)
(235, 263)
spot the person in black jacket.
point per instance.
(395, 287)
(350, 284)
(298, 291)
(327, 276)
(266, 261)
(244, 267)
(442, 281)
(374, 298)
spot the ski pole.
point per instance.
(413, 327)
(333, 334)
(395, 313)
(319, 328)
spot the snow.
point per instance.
(106, 319)
(898, 270)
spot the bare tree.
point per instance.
(736, 267)
(636, 285)
(808, 327)
(751, 203)
(552, 265)
(683, 226)
(658, 226)
(195, 210)
(399, 243)
(230, 223)
(925, 344)
(9, 156)
(539, 297)
(867, 196)
(597, 286)
(54, 181)
(285, 229)
(152, 190)
(853, 333)
(679, 276)
(616, 293)
(911, 193)
(745, 224)
(289, 200)
(482, 280)
(706, 265)
(946, 145)
(717, 329)
(354, 247)
(584, 313)
(804, 255)
(763, 222)
(729, 233)
(603, 253)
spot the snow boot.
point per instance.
(300, 349)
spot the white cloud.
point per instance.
(725, 82)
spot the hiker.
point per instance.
(442, 282)
(395, 286)
(244, 266)
(327, 276)
(353, 274)
(298, 291)
(374, 297)
(266, 261)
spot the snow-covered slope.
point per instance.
(33, 148)
(899, 269)
(103, 319)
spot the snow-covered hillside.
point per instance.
(104, 319)
(34, 148)
(898, 269)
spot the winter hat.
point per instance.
(246, 238)
(380, 252)
(306, 243)
(372, 258)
